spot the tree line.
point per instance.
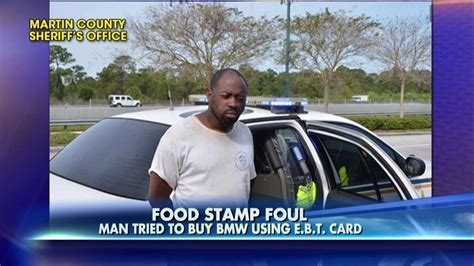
(186, 43)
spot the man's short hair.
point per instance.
(218, 75)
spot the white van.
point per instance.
(123, 101)
(360, 98)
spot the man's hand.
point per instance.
(159, 192)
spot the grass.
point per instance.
(62, 135)
(68, 128)
(61, 138)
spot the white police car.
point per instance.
(348, 164)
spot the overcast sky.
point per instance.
(94, 56)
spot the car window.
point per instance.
(112, 156)
(290, 151)
(399, 160)
(123, 98)
(128, 98)
(357, 172)
(283, 166)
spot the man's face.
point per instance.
(227, 101)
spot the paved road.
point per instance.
(99, 112)
(418, 145)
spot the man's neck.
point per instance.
(210, 121)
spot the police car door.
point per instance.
(289, 172)
(357, 170)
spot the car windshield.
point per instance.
(112, 156)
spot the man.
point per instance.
(207, 159)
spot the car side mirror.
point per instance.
(414, 166)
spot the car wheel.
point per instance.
(119, 105)
(136, 105)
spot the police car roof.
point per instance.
(169, 117)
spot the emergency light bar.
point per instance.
(275, 105)
(284, 105)
(289, 102)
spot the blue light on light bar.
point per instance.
(288, 102)
(278, 103)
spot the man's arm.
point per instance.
(159, 191)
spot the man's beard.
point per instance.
(225, 122)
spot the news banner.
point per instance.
(228, 222)
(448, 218)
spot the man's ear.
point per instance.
(209, 94)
